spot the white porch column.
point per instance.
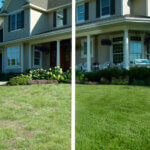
(22, 58)
(58, 53)
(30, 51)
(147, 7)
(126, 49)
(88, 53)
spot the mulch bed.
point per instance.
(42, 82)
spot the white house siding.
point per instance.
(38, 22)
(138, 7)
(126, 7)
(17, 34)
(26, 57)
(103, 51)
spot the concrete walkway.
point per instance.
(3, 83)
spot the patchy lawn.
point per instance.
(112, 117)
(35, 117)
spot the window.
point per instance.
(84, 48)
(13, 56)
(59, 18)
(37, 58)
(117, 50)
(16, 21)
(105, 7)
(80, 13)
(135, 51)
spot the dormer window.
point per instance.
(16, 21)
(105, 7)
(59, 18)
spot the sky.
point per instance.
(0, 3)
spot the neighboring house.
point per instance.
(37, 33)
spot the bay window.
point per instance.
(80, 13)
(13, 56)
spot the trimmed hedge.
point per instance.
(134, 76)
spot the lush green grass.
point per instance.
(112, 117)
(35, 117)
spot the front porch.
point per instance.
(50, 54)
(113, 49)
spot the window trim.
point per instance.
(15, 66)
(57, 25)
(37, 66)
(82, 49)
(101, 12)
(80, 21)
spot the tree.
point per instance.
(3, 1)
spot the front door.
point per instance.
(53, 54)
(65, 52)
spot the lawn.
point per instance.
(112, 117)
(35, 117)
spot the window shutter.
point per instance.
(65, 16)
(8, 23)
(112, 7)
(54, 19)
(98, 12)
(86, 11)
(22, 19)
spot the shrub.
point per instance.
(136, 75)
(52, 74)
(139, 73)
(120, 81)
(138, 82)
(104, 81)
(80, 76)
(20, 80)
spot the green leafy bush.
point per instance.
(20, 80)
(80, 76)
(120, 81)
(134, 76)
(104, 81)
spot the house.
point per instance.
(37, 33)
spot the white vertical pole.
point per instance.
(58, 53)
(30, 51)
(88, 53)
(73, 74)
(22, 58)
(126, 49)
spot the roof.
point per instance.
(57, 3)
